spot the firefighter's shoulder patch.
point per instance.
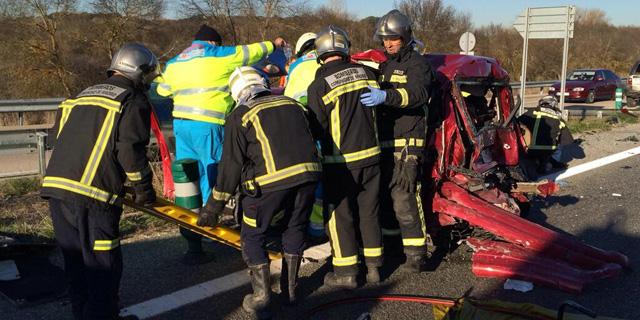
(102, 90)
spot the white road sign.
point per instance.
(467, 42)
(546, 23)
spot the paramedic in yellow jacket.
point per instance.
(196, 80)
(303, 70)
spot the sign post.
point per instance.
(546, 23)
(467, 43)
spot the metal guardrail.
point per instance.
(28, 139)
(534, 84)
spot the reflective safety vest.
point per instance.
(301, 73)
(101, 138)
(197, 79)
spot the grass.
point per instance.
(604, 124)
(25, 216)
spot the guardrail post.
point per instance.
(618, 99)
(42, 152)
(20, 118)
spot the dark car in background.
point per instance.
(588, 85)
(633, 86)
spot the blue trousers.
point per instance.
(201, 141)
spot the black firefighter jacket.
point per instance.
(101, 138)
(548, 130)
(345, 128)
(267, 147)
(406, 77)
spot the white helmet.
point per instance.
(245, 83)
(305, 42)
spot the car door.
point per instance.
(614, 83)
(600, 86)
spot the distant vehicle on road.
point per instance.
(633, 86)
(589, 85)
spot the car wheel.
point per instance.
(591, 97)
(631, 102)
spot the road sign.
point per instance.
(546, 23)
(467, 43)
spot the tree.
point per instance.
(123, 17)
(213, 11)
(439, 26)
(47, 14)
(13, 8)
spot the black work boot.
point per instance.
(414, 263)
(289, 277)
(258, 302)
(334, 280)
(373, 276)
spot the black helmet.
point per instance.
(332, 40)
(136, 62)
(394, 24)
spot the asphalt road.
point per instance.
(586, 208)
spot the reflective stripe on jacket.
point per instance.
(101, 138)
(198, 77)
(407, 78)
(346, 129)
(301, 73)
(267, 145)
(548, 130)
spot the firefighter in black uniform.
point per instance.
(347, 133)
(404, 94)
(101, 138)
(550, 136)
(269, 152)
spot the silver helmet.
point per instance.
(136, 62)
(245, 83)
(332, 40)
(394, 24)
(548, 102)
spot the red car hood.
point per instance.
(574, 83)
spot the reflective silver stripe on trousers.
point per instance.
(191, 91)
(199, 111)
(245, 55)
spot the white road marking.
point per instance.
(582, 168)
(240, 278)
(181, 298)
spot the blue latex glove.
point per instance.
(374, 97)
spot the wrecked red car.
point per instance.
(476, 149)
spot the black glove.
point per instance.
(405, 175)
(210, 214)
(144, 194)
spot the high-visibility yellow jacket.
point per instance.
(197, 79)
(301, 73)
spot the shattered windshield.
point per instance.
(582, 75)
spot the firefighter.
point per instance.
(303, 70)
(277, 168)
(351, 179)
(403, 97)
(549, 136)
(196, 79)
(101, 138)
(301, 73)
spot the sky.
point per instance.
(483, 12)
